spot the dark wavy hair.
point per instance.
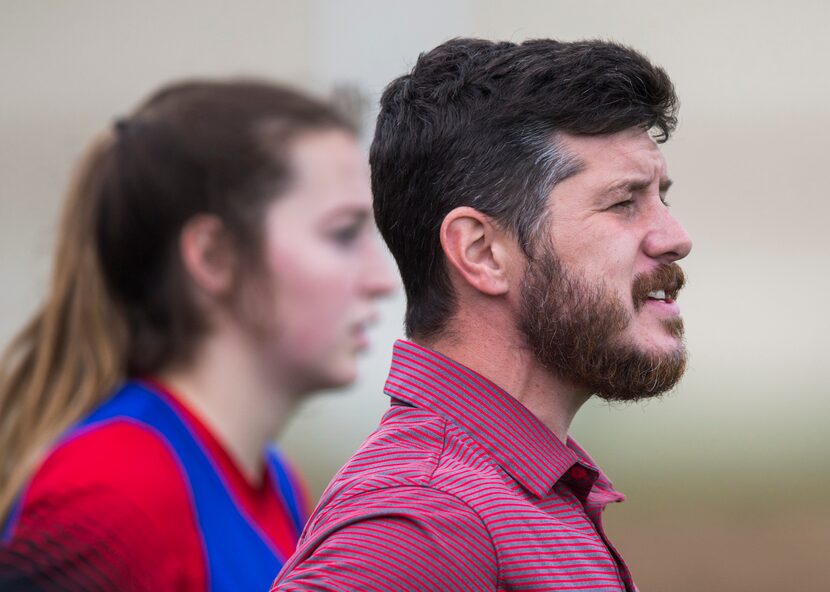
(475, 123)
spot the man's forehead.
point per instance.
(630, 153)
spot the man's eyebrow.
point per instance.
(638, 184)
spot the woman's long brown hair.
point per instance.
(119, 303)
(72, 352)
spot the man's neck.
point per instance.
(506, 360)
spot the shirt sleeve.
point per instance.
(107, 511)
(91, 540)
(403, 538)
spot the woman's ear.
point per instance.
(476, 248)
(208, 254)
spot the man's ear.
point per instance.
(208, 254)
(476, 248)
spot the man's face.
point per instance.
(598, 301)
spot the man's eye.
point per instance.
(623, 205)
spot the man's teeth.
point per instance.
(657, 294)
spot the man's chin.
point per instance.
(635, 375)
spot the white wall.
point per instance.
(748, 163)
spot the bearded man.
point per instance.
(522, 191)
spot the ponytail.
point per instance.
(72, 353)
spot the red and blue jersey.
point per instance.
(141, 495)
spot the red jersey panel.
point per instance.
(111, 508)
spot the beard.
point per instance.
(575, 329)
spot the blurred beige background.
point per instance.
(727, 477)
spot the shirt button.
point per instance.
(578, 473)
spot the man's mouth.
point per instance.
(661, 286)
(662, 296)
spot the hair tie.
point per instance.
(121, 125)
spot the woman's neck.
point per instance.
(227, 387)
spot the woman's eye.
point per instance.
(347, 234)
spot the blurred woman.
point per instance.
(216, 263)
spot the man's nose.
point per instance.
(667, 240)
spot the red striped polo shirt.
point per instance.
(460, 488)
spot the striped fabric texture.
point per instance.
(460, 488)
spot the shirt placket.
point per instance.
(594, 505)
(579, 487)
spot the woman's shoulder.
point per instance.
(113, 494)
(124, 447)
(121, 457)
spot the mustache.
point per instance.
(668, 277)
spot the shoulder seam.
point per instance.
(445, 423)
(378, 490)
(428, 486)
(440, 454)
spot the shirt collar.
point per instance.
(521, 444)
